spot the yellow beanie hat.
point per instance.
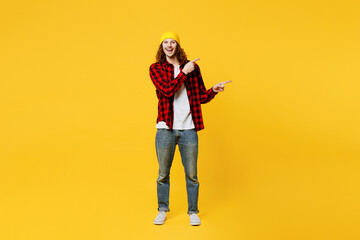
(171, 35)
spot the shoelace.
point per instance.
(160, 215)
(194, 217)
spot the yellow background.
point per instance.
(279, 156)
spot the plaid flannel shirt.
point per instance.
(162, 76)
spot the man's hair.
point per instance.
(179, 53)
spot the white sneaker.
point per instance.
(160, 218)
(194, 219)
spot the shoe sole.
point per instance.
(159, 223)
(195, 224)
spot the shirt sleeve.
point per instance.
(168, 88)
(205, 95)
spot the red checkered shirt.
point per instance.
(162, 75)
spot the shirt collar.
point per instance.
(181, 64)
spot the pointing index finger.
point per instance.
(195, 60)
(227, 82)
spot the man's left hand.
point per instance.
(220, 86)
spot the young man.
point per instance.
(181, 91)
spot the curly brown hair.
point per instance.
(179, 53)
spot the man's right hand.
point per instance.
(190, 66)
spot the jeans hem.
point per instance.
(163, 209)
(191, 212)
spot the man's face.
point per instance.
(169, 47)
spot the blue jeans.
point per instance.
(165, 143)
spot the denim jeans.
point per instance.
(166, 141)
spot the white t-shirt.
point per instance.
(181, 106)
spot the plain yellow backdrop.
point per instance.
(279, 155)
